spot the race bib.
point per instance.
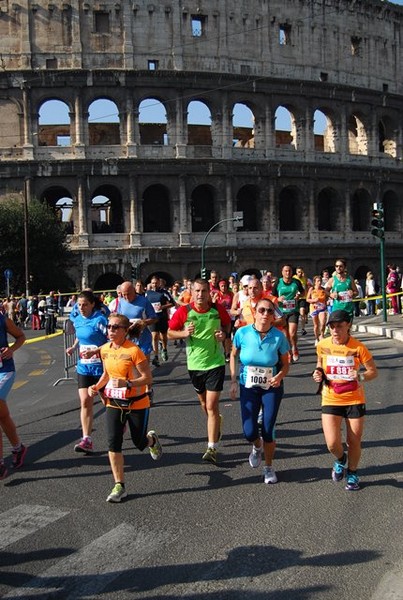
(118, 393)
(340, 367)
(94, 360)
(319, 306)
(157, 307)
(289, 304)
(258, 377)
(344, 296)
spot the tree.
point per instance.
(48, 254)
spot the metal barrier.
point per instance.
(70, 361)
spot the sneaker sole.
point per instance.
(22, 457)
(354, 488)
(80, 450)
(117, 500)
(209, 459)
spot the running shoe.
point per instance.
(18, 456)
(227, 358)
(352, 482)
(117, 494)
(156, 449)
(3, 471)
(84, 446)
(220, 423)
(155, 361)
(255, 457)
(269, 474)
(210, 455)
(164, 355)
(295, 355)
(338, 470)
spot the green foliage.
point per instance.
(48, 255)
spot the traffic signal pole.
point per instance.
(378, 230)
(238, 218)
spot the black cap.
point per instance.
(338, 316)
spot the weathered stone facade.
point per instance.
(306, 198)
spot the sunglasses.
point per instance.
(267, 311)
(115, 327)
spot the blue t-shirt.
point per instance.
(91, 333)
(139, 308)
(258, 352)
(7, 365)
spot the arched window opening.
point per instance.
(202, 206)
(290, 214)
(246, 201)
(357, 136)
(54, 124)
(361, 210)
(243, 122)
(285, 128)
(153, 123)
(387, 136)
(60, 200)
(199, 124)
(329, 210)
(103, 123)
(156, 209)
(324, 132)
(393, 212)
(106, 210)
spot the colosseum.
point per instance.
(138, 193)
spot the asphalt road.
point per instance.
(193, 530)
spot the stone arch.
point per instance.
(325, 134)
(285, 126)
(361, 207)
(243, 122)
(156, 209)
(107, 210)
(167, 277)
(107, 281)
(153, 122)
(103, 123)
(387, 130)
(329, 210)
(357, 135)
(54, 123)
(246, 201)
(393, 211)
(290, 209)
(199, 124)
(202, 208)
(62, 202)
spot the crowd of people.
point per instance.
(253, 324)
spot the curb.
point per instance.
(380, 330)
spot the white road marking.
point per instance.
(23, 520)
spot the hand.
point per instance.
(6, 353)
(190, 329)
(317, 376)
(92, 392)
(275, 381)
(219, 335)
(233, 390)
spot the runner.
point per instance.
(302, 304)
(7, 377)
(288, 291)
(264, 356)
(342, 289)
(340, 358)
(317, 299)
(161, 301)
(126, 375)
(90, 326)
(202, 325)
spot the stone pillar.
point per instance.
(181, 136)
(131, 148)
(184, 215)
(347, 228)
(312, 225)
(226, 129)
(273, 214)
(30, 126)
(343, 134)
(135, 235)
(270, 130)
(82, 214)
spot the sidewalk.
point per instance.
(393, 328)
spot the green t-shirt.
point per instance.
(342, 302)
(289, 291)
(203, 351)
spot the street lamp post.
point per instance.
(238, 217)
(25, 197)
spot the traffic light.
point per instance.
(134, 273)
(378, 223)
(203, 273)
